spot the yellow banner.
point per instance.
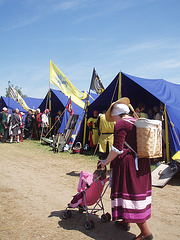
(57, 78)
(16, 97)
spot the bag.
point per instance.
(149, 138)
(78, 148)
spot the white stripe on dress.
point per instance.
(129, 204)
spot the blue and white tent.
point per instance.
(55, 100)
(11, 104)
(149, 91)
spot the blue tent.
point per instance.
(149, 91)
(59, 101)
(11, 104)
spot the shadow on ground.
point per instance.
(101, 230)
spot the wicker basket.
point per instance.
(149, 138)
(78, 148)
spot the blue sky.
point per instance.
(138, 37)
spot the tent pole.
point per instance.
(85, 116)
(167, 135)
(85, 122)
(50, 109)
(120, 81)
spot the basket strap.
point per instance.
(129, 121)
(136, 158)
(155, 141)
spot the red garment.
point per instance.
(21, 126)
(90, 136)
(39, 120)
(131, 188)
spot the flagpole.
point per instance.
(48, 96)
(120, 82)
(49, 101)
(9, 95)
(85, 110)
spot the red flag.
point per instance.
(69, 107)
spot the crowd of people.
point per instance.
(14, 127)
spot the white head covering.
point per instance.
(119, 108)
(38, 110)
(4, 109)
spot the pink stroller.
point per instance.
(90, 192)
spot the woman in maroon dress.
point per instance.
(131, 177)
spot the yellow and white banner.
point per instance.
(57, 78)
(16, 97)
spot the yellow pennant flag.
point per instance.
(16, 97)
(57, 78)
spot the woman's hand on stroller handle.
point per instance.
(102, 163)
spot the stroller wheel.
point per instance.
(104, 218)
(92, 223)
(69, 214)
(89, 224)
(108, 216)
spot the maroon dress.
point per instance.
(130, 188)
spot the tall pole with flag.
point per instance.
(17, 97)
(97, 86)
(50, 108)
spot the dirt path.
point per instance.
(36, 185)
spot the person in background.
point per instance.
(29, 122)
(14, 126)
(136, 114)
(2, 123)
(93, 131)
(142, 107)
(45, 122)
(106, 131)
(21, 125)
(150, 113)
(157, 114)
(38, 122)
(130, 177)
(58, 121)
(6, 130)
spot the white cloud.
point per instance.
(18, 23)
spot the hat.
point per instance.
(38, 110)
(46, 111)
(119, 108)
(123, 101)
(4, 109)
